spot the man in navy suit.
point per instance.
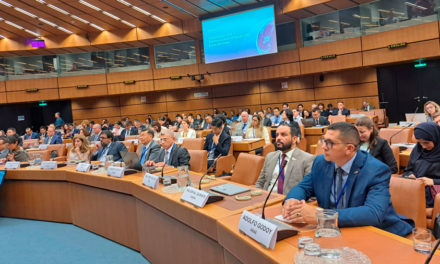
(108, 147)
(352, 182)
(30, 134)
(341, 110)
(52, 138)
(217, 142)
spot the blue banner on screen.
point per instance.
(245, 34)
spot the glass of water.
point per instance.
(328, 235)
(183, 179)
(422, 240)
(108, 161)
(37, 159)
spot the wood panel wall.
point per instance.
(351, 86)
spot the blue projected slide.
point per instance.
(240, 35)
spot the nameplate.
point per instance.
(42, 146)
(258, 229)
(83, 167)
(195, 197)
(150, 180)
(12, 165)
(48, 165)
(237, 138)
(114, 171)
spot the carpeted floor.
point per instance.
(27, 241)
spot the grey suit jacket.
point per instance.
(299, 166)
(179, 156)
(4, 153)
(239, 128)
(153, 153)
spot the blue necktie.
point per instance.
(143, 155)
(244, 127)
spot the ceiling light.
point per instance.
(111, 15)
(32, 33)
(145, 12)
(13, 24)
(124, 2)
(1, 36)
(5, 3)
(178, 8)
(65, 30)
(97, 27)
(58, 9)
(128, 23)
(90, 5)
(158, 18)
(41, 1)
(80, 19)
(25, 12)
(47, 22)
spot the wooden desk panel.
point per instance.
(313, 134)
(248, 145)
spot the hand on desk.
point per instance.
(299, 212)
(150, 163)
(426, 181)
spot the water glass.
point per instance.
(183, 179)
(108, 161)
(303, 241)
(37, 159)
(422, 240)
(328, 234)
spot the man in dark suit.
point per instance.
(317, 119)
(130, 130)
(13, 132)
(170, 154)
(108, 147)
(217, 142)
(96, 133)
(207, 122)
(52, 138)
(266, 120)
(351, 182)
(30, 134)
(148, 148)
(341, 110)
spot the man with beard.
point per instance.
(299, 163)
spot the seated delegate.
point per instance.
(349, 181)
(80, 150)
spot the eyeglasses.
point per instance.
(102, 137)
(329, 144)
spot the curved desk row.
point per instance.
(160, 226)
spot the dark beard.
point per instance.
(285, 147)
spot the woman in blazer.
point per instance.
(372, 143)
(186, 132)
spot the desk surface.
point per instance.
(248, 144)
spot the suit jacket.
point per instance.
(206, 125)
(55, 140)
(223, 146)
(115, 149)
(133, 132)
(94, 137)
(322, 121)
(152, 153)
(345, 111)
(33, 136)
(367, 194)
(298, 166)
(239, 128)
(4, 153)
(179, 156)
(383, 152)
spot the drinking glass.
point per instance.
(422, 240)
(37, 159)
(328, 235)
(183, 179)
(108, 161)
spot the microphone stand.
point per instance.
(213, 197)
(432, 252)
(398, 132)
(283, 230)
(166, 180)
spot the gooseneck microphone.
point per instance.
(400, 130)
(432, 252)
(275, 183)
(210, 167)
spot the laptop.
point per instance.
(229, 189)
(420, 117)
(130, 159)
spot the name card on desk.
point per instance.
(195, 197)
(258, 229)
(150, 180)
(48, 165)
(12, 165)
(83, 167)
(114, 171)
(42, 146)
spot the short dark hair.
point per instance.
(44, 127)
(128, 123)
(329, 105)
(156, 124)
(148, 130)
(347, 131)
(118, 123)
(28, 128)
(286, 104)
(217, 122)
(4, 139)
(276, 108)
(108, 133)
(13, 129)
(222, 117)
(300, 105)
(294, 130)
(316, 109)
(12, 139)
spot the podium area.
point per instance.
(162, 227)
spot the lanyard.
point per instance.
(340, 194)
(212, 146)
(279, 168)
(253, 132)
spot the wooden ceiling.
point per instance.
(61, 18)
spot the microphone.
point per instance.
(417, 98)
(283, 230)
(268, 195)
(210, 167)
(432, 252)
(398, 132)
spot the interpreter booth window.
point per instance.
(338, 25)
(32, 67)
(82, 63)
(286, 36)
(3, 68)
(128, 59)
(385, 15)
(175, 54)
